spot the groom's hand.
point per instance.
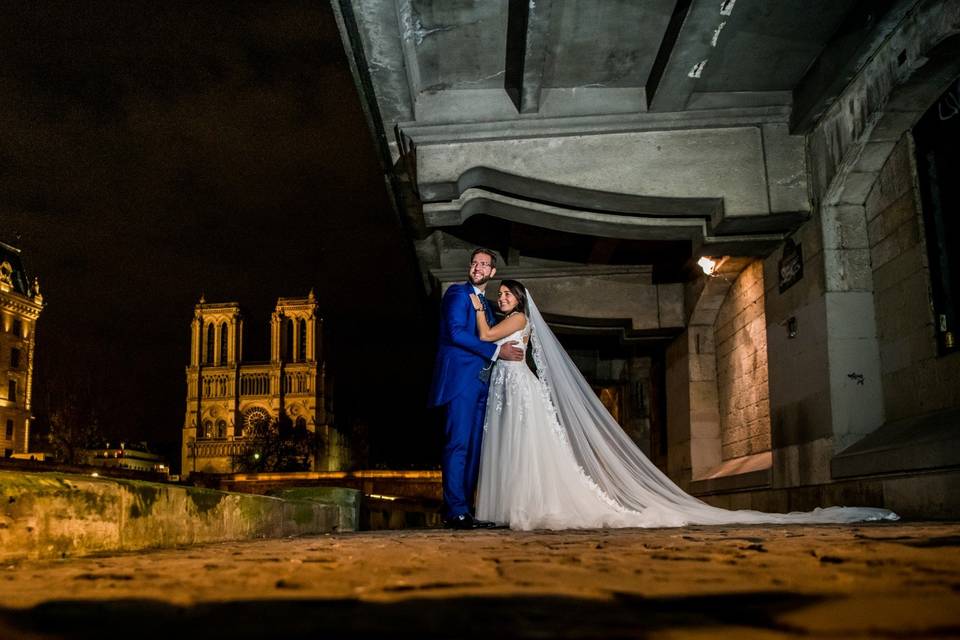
(509, 351)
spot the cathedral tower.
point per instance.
(227, 396)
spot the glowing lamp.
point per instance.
(707, 265)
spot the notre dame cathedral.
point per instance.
(227, 396)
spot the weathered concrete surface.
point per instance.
(727, 163)
(345, 500)
(899, 580)
(44, 515)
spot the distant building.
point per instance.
(135, 458)
(20, 306)
(227, 396)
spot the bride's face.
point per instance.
(506, 300)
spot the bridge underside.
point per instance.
(601, 149)
(665, 121)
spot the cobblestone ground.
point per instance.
(883, 580)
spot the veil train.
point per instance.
(614, 462)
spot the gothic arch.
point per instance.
(302, 340)
(223, 350)
(288, 345)
(208, 359)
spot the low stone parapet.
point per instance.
(347, 500)
(404, 483)
(53, 515)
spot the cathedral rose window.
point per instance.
(252, 417)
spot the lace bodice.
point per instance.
(521, 336)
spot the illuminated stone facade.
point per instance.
(20, 306)
(227, 396)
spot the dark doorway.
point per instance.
(937, 137)
(627, 376)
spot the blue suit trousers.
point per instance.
(461, 456)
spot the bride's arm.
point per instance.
(491, 334)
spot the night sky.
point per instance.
(151, 152)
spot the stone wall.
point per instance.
(915, 379)
(741, 351)
(799, 381)
(54, 515)
(846, 151)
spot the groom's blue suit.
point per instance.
(459, 383)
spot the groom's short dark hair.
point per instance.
(493, 257)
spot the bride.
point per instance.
(554, 458)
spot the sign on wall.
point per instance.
(791, 265)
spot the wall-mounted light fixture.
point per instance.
(711, 266)
(707, 264)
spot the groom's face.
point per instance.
(481, 269)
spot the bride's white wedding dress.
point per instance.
(554, 458)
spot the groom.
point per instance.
(460, 381)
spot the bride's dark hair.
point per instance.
(519, 292)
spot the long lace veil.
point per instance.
(612, 460)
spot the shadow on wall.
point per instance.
(541, 617)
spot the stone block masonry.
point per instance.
(53, 515)
(915, 379)
(741, 338)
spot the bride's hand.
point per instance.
(476, 302)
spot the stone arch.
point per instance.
(214, 421)
(696, 449)
(223, 335)
(847, 152)
(857, 137)
(208, 353)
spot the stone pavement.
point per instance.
(876, 580)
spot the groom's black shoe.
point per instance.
(462, 521)
(484, 524)
(467, 521)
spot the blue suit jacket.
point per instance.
(460, 354)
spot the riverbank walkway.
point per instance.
(894, 580)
